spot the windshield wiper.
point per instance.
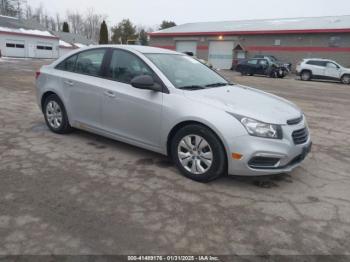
(192, 87)
(217, 84)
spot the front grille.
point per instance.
(300, 136)
(294, 121)
(263, 162)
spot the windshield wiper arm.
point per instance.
(192, 87)
(217, 84)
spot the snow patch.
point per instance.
(9, 17)
(79, 45)
(26, 31)
(65, 44)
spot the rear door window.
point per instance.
(90, 62)
(253, 62)
(317, 63)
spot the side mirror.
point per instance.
(145, 82)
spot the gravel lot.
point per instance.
(85, 194)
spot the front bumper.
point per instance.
(289, 154)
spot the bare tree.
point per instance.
(12, 7)
(92, 23)
(76, 22)
(87, 24)
(58, 22)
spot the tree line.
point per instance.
(89, 24)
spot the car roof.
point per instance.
(132, 48)
(137, 48)
(318, 59)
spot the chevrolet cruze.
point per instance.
(173, 104)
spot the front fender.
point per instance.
(225, 126)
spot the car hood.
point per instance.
(346, 70)
(249, 102)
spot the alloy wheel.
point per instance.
(54, 114)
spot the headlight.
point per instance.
(260, 129)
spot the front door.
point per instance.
(332, 71)
(128, 112)
(263, 66)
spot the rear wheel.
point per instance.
(345, 79)
(198, 153)
(305, 76)
(55, 115)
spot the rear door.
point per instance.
(317, 67)
(252, 66)
(83, 85)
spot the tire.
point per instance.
(345, 79)
(56, 116)
(305, 75)
(198, 153)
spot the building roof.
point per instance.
(74, 39)
(12, 25)
(272, 26)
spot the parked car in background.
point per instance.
(275, 60)
(170, 103)
(317, 68)
(262, 66)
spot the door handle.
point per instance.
(68, 82)
(110, 94)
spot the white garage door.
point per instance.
(221, 54)
(44, 50)
(14, 48)
(186, 46)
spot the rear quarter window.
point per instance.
(68, 64)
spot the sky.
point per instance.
(152, 12)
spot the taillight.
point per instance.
(37, 74)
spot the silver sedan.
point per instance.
(172, 104)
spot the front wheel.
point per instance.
(198, 153)
(345, 79)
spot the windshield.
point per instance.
(184, 72)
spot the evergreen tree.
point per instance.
(65, 27)
(124, 32)
(143, 37)
(167, 24)
(103, 34)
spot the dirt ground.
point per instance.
(85, 194)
